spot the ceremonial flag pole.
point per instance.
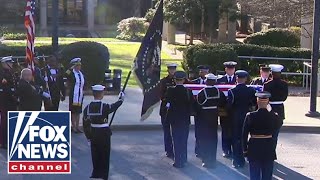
(30, 27)
(147, 65)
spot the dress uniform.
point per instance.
(279, 92)
(165, 83)
(97, 131)
(264, 75)
(240, 100)
(8, 99)
(179, 101)
(203, 71)
(208, 99)
(225, 119)
(261, 124)
(53, 76)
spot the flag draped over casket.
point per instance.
(147, 65)
(195, 88)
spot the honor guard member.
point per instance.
(97, 131)
(240, 99)
(8, 99)
(278, 89)
(264, 75)
(225, 119)
(203, 71)
(179, 102)
(259, 150)
(53, 76)
(209, 99)
(165, 83)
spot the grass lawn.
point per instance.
(122, 53)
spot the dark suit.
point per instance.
(240, 100)
(30, 96)
(199, 80)
(226, 122)
(181, 101)
(209, 99)
(56, 87)
(260, 151)
(259, 81)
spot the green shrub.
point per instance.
(95, 59)
(3, 30)
(132, 29)
(212, 55)
(274, 37)
(21, 50)
(150, 14)
(14, 36)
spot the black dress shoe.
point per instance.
(237, 166)
(209, 165)
(177, 165)
(226, 155)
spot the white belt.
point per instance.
(99, 125)
(276, 102)
(210, 107)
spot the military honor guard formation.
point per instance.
(241, 111)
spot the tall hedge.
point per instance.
(214, 55)
(95, 59)
(275, 37)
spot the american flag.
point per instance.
(30, 26)
(196, 88)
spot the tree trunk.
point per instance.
(202, 22)
(191, 33)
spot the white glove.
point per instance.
(46, 95)
(45, 79)
(168, 105)
(121, 96)
(269, 108)
(89, 142)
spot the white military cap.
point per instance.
(75, 61)
(98, 87)
(172, 65)
(6, 59)
(276, 67)
(211, 76)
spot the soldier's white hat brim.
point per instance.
(172, 65)
(75, 61)
(211, 76)
(98, 87)
(6, 59)
(276, 67)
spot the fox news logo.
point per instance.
(39, 142)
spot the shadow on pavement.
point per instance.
(282, 172)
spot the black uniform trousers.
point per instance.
(278, 108)
(226, 134)
(167, 138)
(237, 150)
(100, 152)
(180, 133)
(55, 99)
(208, 136)
(261, 169)
(197, 148)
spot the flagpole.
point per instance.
(123, 89)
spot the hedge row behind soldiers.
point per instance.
(234, 110)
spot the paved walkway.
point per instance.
(129, 112)
(138, 155)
